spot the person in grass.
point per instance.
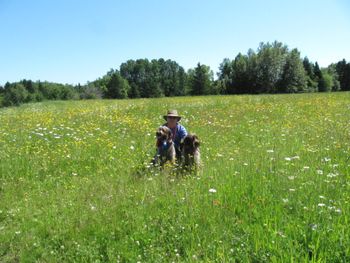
(178, 131)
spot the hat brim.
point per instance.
(166, 117)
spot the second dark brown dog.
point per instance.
(190, 151)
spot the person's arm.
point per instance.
(183, 132)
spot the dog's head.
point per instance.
(190, 143)
(163, 134)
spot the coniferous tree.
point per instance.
(201, 80)
(321, 82)
(310, 75)
(117, 87)
(343, 71)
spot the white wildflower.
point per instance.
(291, 158)
(212, 190)
(280, 233)
(313, 227)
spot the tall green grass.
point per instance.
(274, 187)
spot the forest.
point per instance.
(272, 68)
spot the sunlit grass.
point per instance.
(74, 183)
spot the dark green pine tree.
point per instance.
(310, 75)
(117, 87)
(309, 68)
(322, 81)
(200, 80)
(317, 71)
(343, 71)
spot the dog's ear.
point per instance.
(170, 135)
(182, 143)
(187, 140)
(196, 141)
(159, 130)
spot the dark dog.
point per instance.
(165, 147)
(190, 151)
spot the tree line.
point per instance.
(272, 68)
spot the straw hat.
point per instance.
(172, 113)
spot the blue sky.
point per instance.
(74, 41)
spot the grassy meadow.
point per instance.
(274, 187)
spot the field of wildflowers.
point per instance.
(274, 187)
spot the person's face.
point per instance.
(171, 121)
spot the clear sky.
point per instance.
(75, 41)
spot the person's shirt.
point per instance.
(178, 133)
